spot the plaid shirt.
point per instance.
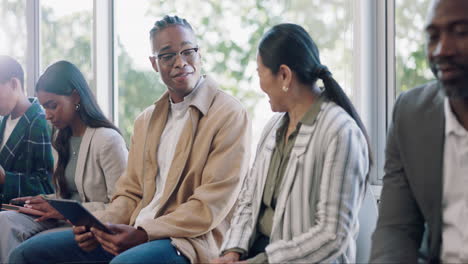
(26, 156)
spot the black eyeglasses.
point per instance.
(169, 58)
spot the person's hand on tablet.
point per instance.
(30, 211)
(85, 239)
(38, 203)
(124, 237)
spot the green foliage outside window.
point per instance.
(229, 55)
(67, 38)
(230, 59)
(13, 30)
(412, 68)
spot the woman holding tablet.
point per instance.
(91, 155)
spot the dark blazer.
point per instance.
(27, 156)
(412, 186)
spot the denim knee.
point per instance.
(17, 256)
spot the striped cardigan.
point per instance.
(316, 217)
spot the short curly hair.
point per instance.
(168, 21)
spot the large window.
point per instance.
(108, 40)
(13, 29)
(411, 67)
(67, 34)
(228, 32)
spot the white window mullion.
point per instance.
(32, 66)
(391, 62)
(103, 56)
(385, 77)
(370, 60)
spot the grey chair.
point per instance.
(367, 222)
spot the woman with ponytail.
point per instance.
(301, 200)
(92, 155)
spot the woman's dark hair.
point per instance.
(63, 78)
(168, 21)
(291, 45)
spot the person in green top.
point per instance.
(92, 155)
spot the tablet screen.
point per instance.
(77, 214)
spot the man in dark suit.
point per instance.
(427, 153)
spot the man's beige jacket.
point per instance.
(209, 166)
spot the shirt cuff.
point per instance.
(261, 258)
(241, 251)
(144, 230)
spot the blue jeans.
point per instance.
(61, 247)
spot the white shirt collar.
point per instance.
(181, 107)
(192, 93)
(452, 126)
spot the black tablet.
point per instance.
(9, 207)
(77, 214)
(30, 212)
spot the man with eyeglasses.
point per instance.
(426, 167)
(188, 157)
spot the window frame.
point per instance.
(374, 63)
(105, 62)
(32, 66)
(374, 42)
(102, 52)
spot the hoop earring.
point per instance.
(285, 89)
(77, 107)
